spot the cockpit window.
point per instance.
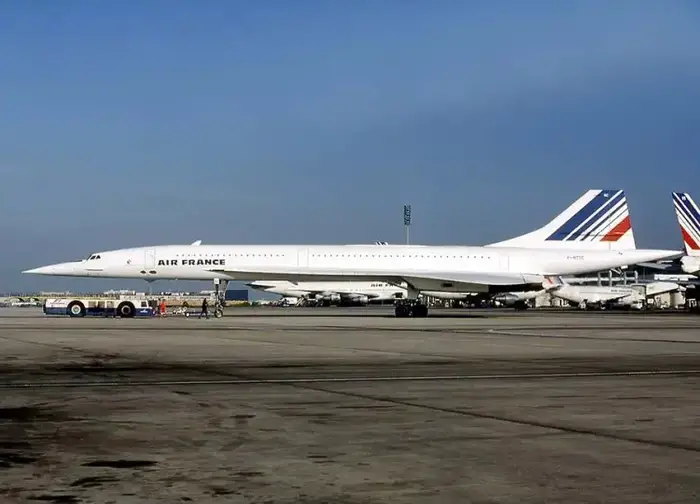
(93, 257)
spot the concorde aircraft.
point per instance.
(502, 267)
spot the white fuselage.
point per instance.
(467, 269)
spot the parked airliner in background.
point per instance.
(332, 292)
(688, 215)
(519, 264)
(605, 296)
(345, 292)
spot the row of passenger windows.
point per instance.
(342, 255)
(230, 255)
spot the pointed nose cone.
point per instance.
(43, 270)
(61, 269)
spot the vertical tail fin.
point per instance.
(552, 282)
(688, 216)
(598, 220)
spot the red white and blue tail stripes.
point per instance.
(688, 216)
(603, 217)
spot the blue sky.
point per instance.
(132, 123)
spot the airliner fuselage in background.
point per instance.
(332, 292)
(349, 291)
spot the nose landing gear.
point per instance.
(411, 306)
(406, 308)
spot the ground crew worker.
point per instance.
(205, 308)
(162, 307)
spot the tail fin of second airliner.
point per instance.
(688, 216)
(551, 283)
(598, 220)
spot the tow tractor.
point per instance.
(124, 307)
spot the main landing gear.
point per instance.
(411, 307)
(405, 309)
(220, 287)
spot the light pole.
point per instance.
(407, 220)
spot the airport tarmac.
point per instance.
(351, 406)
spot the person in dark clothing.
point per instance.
(205, 308)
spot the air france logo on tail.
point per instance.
(604, 217)
(688, 216)
(552, 282)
